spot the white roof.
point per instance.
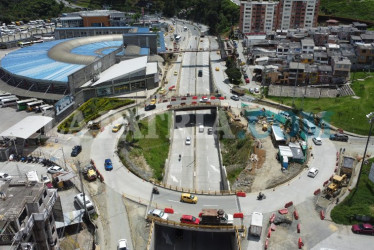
(257, 219)
(121, 69)
(26, 127)
(151, 68)
(262, 59)
(285, 151)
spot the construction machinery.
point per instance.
(333, 189)
(94, 125)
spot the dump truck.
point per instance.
(238, 91)
(255, 228)
(335, 185)
(216, 217)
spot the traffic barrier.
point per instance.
(322, 214)
(200, 214)
(266, 244)
(296, 214)
(269, 233)
(325, 183)
(168, 106)
(272, 218)
(169, 210)
(336, 169)
(298, 228)
(194, 103)
(238, 215)
(337, 163)
(337, 154)
(241, 194)
(164, 100)
(173, 99)
(288, 204)
(183, 103)
(300, 243)
(183, 98)
(332, 176)
(317, 192)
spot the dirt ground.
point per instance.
(82, 240)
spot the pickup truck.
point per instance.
(216, 217)
(238, 91)
(339, 137)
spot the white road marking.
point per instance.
(174, 178)
(210, 205)
(173, 201)
(214, 168)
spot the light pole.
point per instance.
(371, 121)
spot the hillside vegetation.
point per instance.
(355, 9)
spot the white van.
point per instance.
(79, 200)
(201, 128)
(32, 177)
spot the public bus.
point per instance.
(5, 94)
(7, 97)
(22, 104)
(32, 105)
(309, 127)
(24, 44)
(177, 38)
(9, 102)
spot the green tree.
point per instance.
(234, 75)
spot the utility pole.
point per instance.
(80, 179)
(63, 156)
(294, 90)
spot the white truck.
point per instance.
(256, 224)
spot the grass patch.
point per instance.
(361, 10)
(358, 202)
(90, 110)
(152, 141)
(236, 146)
(346, 112)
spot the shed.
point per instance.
(277, 136)
(297, 152)
(347, 165)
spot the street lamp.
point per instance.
(370, 117)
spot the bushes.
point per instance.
(90, 110)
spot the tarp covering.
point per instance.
(278, 133)
(71, 218)
(26, 127)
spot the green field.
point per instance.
(346, 112)
(152, 141)
(90, 110)
(358, 202)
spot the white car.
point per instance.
(5, 177)
(317, 140)
(257, 90)
(204, 99)
(188, 141)
(45, 179)
(122, 244)
(55, 170)
(313, 172)
(158, 213)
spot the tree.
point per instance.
(234, 75)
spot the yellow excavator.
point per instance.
(336, 184)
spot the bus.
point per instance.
(31, 105)
(22, 104)
(46, 108)
(7, 97)
(24, 44)
(177, 38)
(5, 94)
(9, 102)
(309, 127)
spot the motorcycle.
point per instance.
(155, 190)
(180, 156)
(261, 196)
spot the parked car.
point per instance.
(251, 90)
(363, 229)
(45, 179)
(5, 177)
(189, 219)
(313, 172)
(153, 101)
(257, 90)
(158, 213)
(246, 80)
(175, 72)
(245, 75)
(76, 150)
(317, 140)
(108, 164)
(116, 128)
(150, 107)
(55, 170)
(189, 198)
(122, 244)
(171, 87)
(188, 140)
(339, 137)
(210, 131)
(235, 97)
(204, 99)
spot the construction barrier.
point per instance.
(169, 210)
(325, 183)
(300, 243)
(288, 204)
(337, 154)
(173, 99)
(269, 233)
(337, 163)
(317, 192)
(332, 176)
(298, 228)
(336, 169)
(238, 215)
(183, 98)
(164, 100)
(296, 214)
(322, 214)
(272, 218)
(193, 103)
(169, 106)
(241, 194)
(200, 214)
(266, 244)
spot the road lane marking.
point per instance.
(210, 205)
(173, 201)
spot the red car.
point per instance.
(189, 219)
(171, 87)
(363, 229)
(247, 80)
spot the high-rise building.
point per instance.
(262, 16)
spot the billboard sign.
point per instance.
(64, 103)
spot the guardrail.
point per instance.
(230, 228)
